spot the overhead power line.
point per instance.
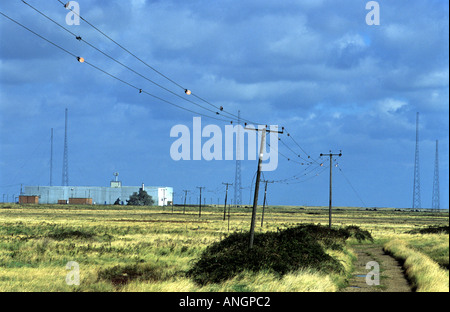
(303, 177)
(301, 148)
(79, 38)
(354, 190)
(216, 114)
(36, 34)
(220, 108)
(121, 46)
(82, 60)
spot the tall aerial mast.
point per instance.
(237, 176)
(436, 202)
(416, 190)
(51, 159)
(65, 171)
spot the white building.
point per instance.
(162, 195)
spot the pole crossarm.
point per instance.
(267, 130)
(331, 155)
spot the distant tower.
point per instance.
(416, 191)
(117, 183)
(237, 176)
(65, 171)
(51, 159)
(436, 202)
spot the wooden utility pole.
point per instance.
(331, 183)
(255, 198)
(173, 198)
(258, 177)
(226, 195)
(264, 203)
(200, 201)
(185, 194)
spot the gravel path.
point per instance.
(392, 278)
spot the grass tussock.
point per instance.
(425, 274)
(121, 275)
(298, 281)
(432, 229)
(280, 253)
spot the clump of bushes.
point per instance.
(60, 233)
(433, 229)
(302, 246)
(358, 233)
(120, 275)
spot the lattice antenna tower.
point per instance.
(436, 202)
(51, 158)
(65, 171)
(237, 176)
(416, 190)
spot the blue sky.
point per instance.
(314, 67)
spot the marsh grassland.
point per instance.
(155, 249)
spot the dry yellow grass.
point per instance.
(32, 260)
(425, 274)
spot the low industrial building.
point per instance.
(28, 199)
(96, 195)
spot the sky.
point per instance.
(314, 67)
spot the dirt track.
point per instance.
(392, 278)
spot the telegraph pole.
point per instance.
(258, 178)
(226, 195)
(200, 201)
(185, 194)
(331, 170)
(173, 197)
(264, 203)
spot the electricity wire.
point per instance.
(139, 89)
(116, 61)
(107, 73)
(349, 183)
(296, 143)
(158, 72)
(146, 64)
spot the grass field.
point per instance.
(121, 248)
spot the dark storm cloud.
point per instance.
(312, 66)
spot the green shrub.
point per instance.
(433, 229)
(60, 233)
(358, 233)
(302, 246)
(121, 275)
